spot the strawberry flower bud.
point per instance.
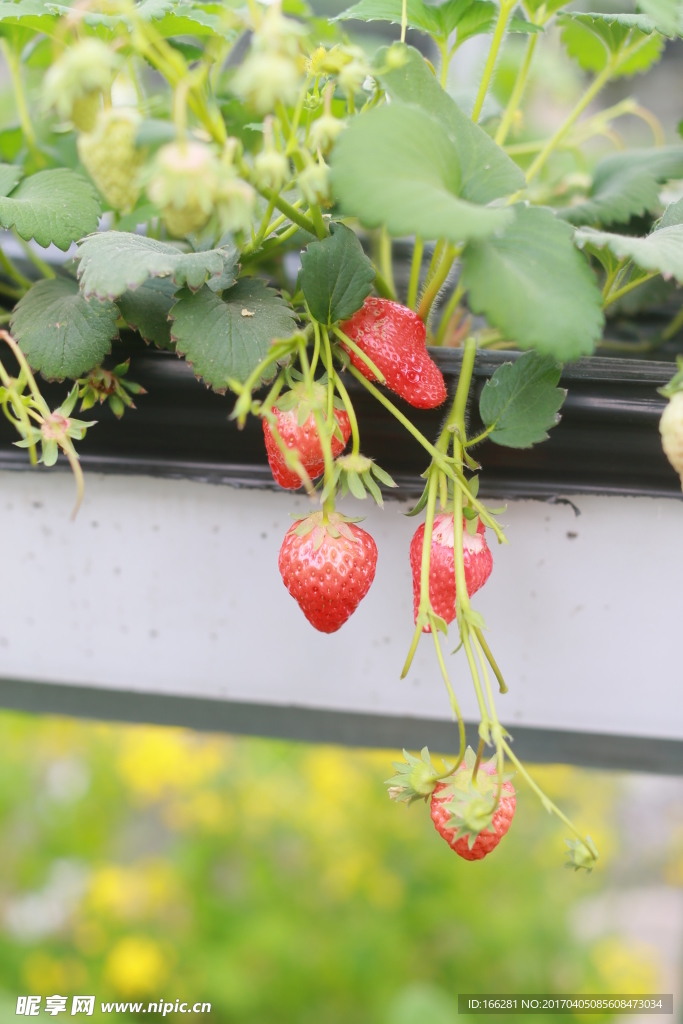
(581, 854)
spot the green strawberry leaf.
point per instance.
(672, 215)
(146, 310)
(336, 276)
(594, 39)
(191, 19)
(666, 14)
(10, 176)
(226, 338)
(146, 10)
(421, 16)
(57, 206)
(113, 261)
(625, 185)
(486, 172)
(469, 17)
(521, 401)
(531, 282)
(395, 166)
(524, 27)
(27, 14)
(661, 251)
(551, 6)
(61, 333)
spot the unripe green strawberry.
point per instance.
(314, 183)
(671, 429)
(325, 132)
(234, 202)
(353, 69)
(75, 83)
(85, 110)
(278, 34)
(264, 79)
(184, 185)
(110, 157)
(271, 169)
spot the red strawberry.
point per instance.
(327, 568)
(302, 437)
(395, 339)
(478, 565)
(458, 811)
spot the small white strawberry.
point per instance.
(671, 429)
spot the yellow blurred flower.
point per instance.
(155, 762)
(136, 966)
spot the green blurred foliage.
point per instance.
(275, 881)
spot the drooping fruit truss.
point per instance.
(328, 563)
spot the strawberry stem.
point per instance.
(452, 471)
(475, 770)
(361, 355)
(437, 282)
(316, 347)
(491, 660)
(454, 706)
(324, 427)
(545, 800)
(350, 412)
(415, 266)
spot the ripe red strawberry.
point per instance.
(476, 555)
(395, 339)
(458, 795)
(327, 568)
(302, 437)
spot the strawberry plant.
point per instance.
(188, 153)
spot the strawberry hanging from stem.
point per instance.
(295, 413)
(327, 564)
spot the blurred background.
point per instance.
(278, 882)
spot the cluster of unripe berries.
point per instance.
(191, 180)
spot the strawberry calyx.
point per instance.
(306, 400)
(110, 386)
(416, 778)
(582, 854)
(675, 385)
(472, 802)
(320, 523)
(358, 474)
